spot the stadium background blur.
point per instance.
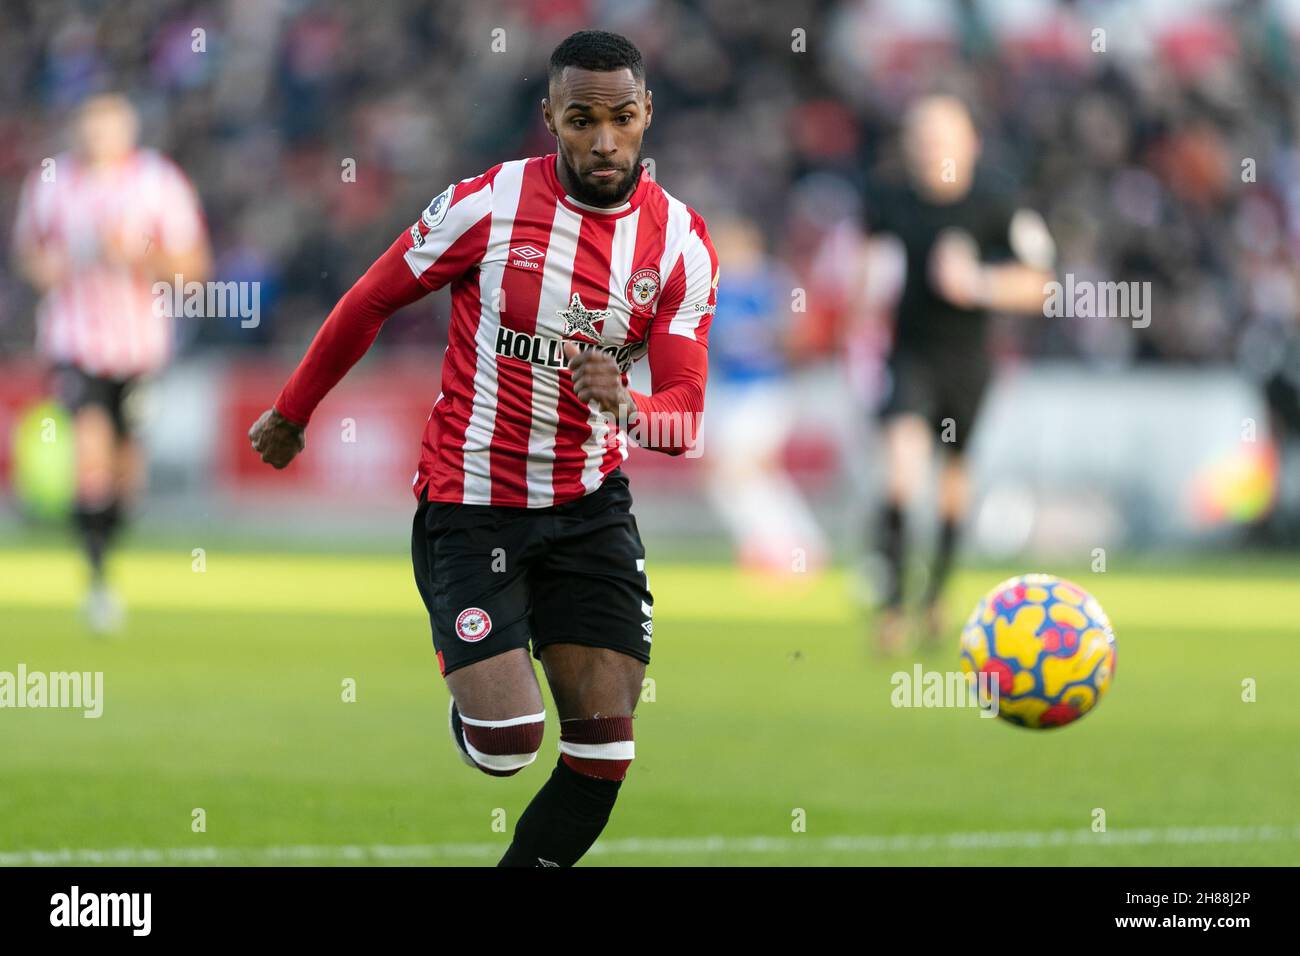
(1134, 156)
(1182, 438)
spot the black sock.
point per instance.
(563, 820)
(948, 531)
(96, 526)
(889, 543)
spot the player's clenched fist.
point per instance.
(596, 378)
(276, 438)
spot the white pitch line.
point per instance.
(656, 846)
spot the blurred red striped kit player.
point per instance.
(564, 270)
(96, 227)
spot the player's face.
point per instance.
(598, 119)
(106, 129)
(941, 145)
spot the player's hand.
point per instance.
(596, 378)
(118, 250)
(955, 270)
(47, 268)
(276, 438)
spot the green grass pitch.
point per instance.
(226, 694)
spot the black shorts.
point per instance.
(946, 391)
(496, 578)
(75, 389)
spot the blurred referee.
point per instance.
(969, 252)
(95, 228)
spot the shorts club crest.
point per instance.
(473, 624)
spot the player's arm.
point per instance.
(346, 335)
(878, 271)
(182, 248)
(40, 263)
(876, 276)
(1013, 286)
(177, 244)
(43, 266)
(668, 418)
(191, 260)
(447, 241)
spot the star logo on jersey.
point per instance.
(580, 321)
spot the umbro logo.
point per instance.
(525, 257)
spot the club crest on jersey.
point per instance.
(642, 289)
(437, 210)
(581, 321)
(473, 624)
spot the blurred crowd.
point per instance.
(1158, 139)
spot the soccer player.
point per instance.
(96, 227)
(751, 413)
(565, 269)
(970, 251)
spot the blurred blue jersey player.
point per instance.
(750, 408)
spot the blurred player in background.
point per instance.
(96, 227)
(751, 411)
(970, 252)
(565, 269)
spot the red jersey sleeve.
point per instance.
(678, 347)
(448, 240)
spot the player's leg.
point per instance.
(94, 406)
(497, 716)
(906, 423)
(593, 617)
(595, 691)
(128, 468)
(761, 506)
(954, 500)
(963, 389)
(907, 444)
(470, 568)
(96, 503)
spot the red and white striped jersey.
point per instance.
(101, 317)
(531, 268)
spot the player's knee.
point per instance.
(598, 747)
(501, 748)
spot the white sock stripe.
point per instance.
(499, 761)
(508, 722)
(618, 750)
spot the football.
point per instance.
(1046, 646)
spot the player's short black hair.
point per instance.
(597, 50)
